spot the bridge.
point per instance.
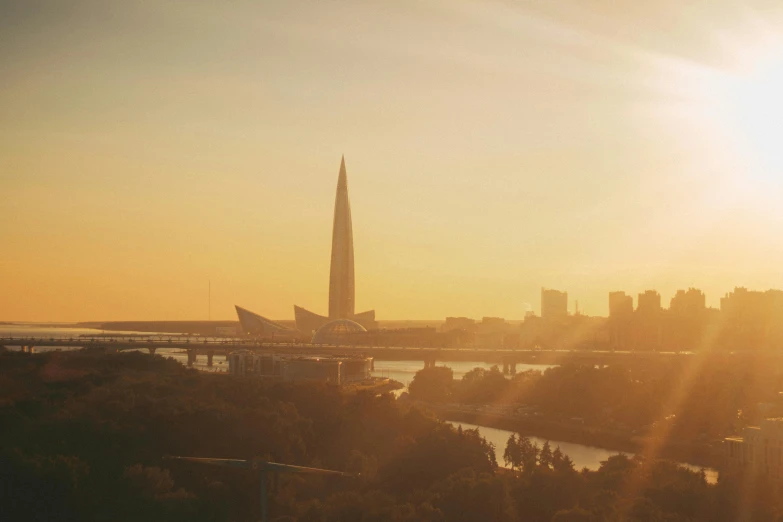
(222, 346)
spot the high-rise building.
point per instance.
(620, 305)
(620, 314)
(750, 319)
(691, 302)
(647, 328)
(341, 276)
(687, 320)
(554, 304)
(649, 302)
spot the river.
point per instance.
(40, 330)
(402, 371)
(589, 457)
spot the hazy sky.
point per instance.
(492, 148)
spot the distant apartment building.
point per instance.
(620, 315)
(647, 329)
(458, 323)
(574, 332)
(751, 319)
(687, 321)
(620, 305)
(495, 332)
(759, 449)
(688, 302)
(554, 304)
(493, 324)
(649, 302)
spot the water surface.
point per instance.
(589, 457)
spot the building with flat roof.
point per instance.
(759, 449)
(458, 323)
(333, 369)
(554, 304)
(649, 302)
(620, 305)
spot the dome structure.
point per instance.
(335, 331)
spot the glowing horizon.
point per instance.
(493, 150)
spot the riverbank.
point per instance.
(698, 454)
(376, 385)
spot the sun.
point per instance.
(751, 103)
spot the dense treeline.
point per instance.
(83, 436)
(698, 398)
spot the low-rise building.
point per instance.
(760, 449)
(340, 369)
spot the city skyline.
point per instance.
(147, 150)
(566, 214)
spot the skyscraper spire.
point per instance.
(342, 179)
(341, 276)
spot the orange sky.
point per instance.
(492, 148)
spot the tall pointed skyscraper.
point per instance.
(341, 281)
(341, 278)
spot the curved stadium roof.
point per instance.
(333, 332)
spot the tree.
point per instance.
(512, 456)
(545, 457)
(528, 453)
(561, 462)
(432, 384)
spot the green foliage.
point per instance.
(432, 384)
(480, 386)
(524, 455)
(83, 436)
(722, 394)
(467, 496)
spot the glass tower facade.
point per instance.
(341, 277)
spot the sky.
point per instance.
(152, 149)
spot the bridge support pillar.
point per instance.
(512, 368)
(505, 367)
(209, 358)
(191, 357)
(152, 350)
